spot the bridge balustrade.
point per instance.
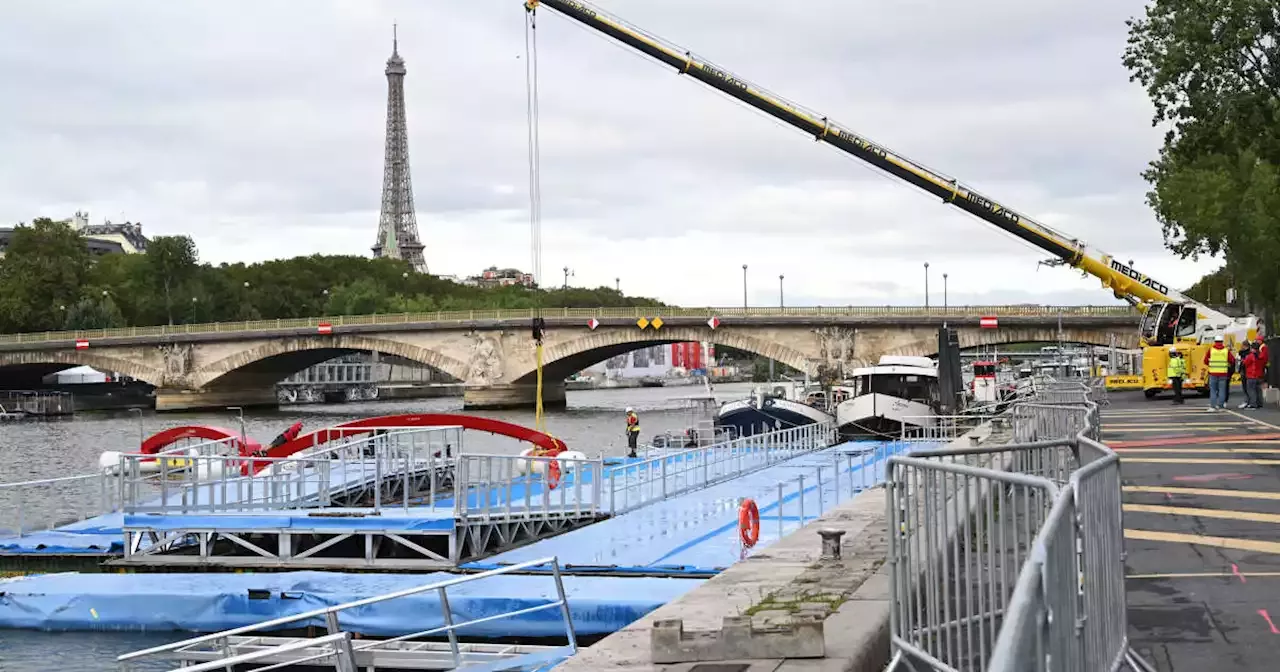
(567, 313)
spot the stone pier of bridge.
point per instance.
(493, 355)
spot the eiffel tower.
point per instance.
(398, 224)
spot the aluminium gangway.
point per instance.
(395, 500)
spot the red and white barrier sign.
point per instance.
(593, 323)
(82, 344)
(324, 328)
(713, 322)
(988, 323)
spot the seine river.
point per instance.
(592, 423)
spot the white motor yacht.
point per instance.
(898, 391)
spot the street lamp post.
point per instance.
(744, 287)
(781, 303)
(944, 292)
(617, 285)
(567, 273)
(926, 285)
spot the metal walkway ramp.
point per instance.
(392, 498)
(391, 502)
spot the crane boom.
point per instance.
(1127, 283)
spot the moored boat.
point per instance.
(899, 391)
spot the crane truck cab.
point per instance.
(1191, 328)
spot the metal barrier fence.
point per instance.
(229, 648)
(1009, 558)
(1122, 312)
(636, 484)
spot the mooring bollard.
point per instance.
(830, 543)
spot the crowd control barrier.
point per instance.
(1009, 558)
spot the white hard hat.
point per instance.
(1218, 338)
(1172, 349)
(630, 410)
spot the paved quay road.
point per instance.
(1202, 531)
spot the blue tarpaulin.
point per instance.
(214, 602)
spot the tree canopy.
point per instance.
(49, 281)
(1212, 71)
(45, 270)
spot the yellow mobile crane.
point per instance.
(1170, 318)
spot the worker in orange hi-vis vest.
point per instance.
(633, 431)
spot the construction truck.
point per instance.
(1169, 317)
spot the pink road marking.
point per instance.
(1266, 617)
(1236, 570)
(1213, 477)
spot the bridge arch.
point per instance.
(975, 338)
(28, 367)
(274, 360)
(563, 359)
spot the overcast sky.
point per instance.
(256, 126)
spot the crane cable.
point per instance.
(535, 197)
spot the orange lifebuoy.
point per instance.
(749, 522)
(553, 474)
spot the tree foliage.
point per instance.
(49, 281)
(44, 270)
(1212, 71)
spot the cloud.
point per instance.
(258, 129)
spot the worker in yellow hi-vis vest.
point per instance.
(1176, 371)
(633, 431)
(1220, 360)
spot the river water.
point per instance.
(592, 423)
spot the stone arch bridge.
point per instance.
(492, 352)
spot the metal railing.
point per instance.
(43, 504)
(1009, 558)
(508, 487)
(347, 655)
(584, 313)
(848, 473)
(636, 484)
(36, 403)
(940, 427)
(387, 460)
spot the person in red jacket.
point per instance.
(1255, 367)
(1219, 360)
